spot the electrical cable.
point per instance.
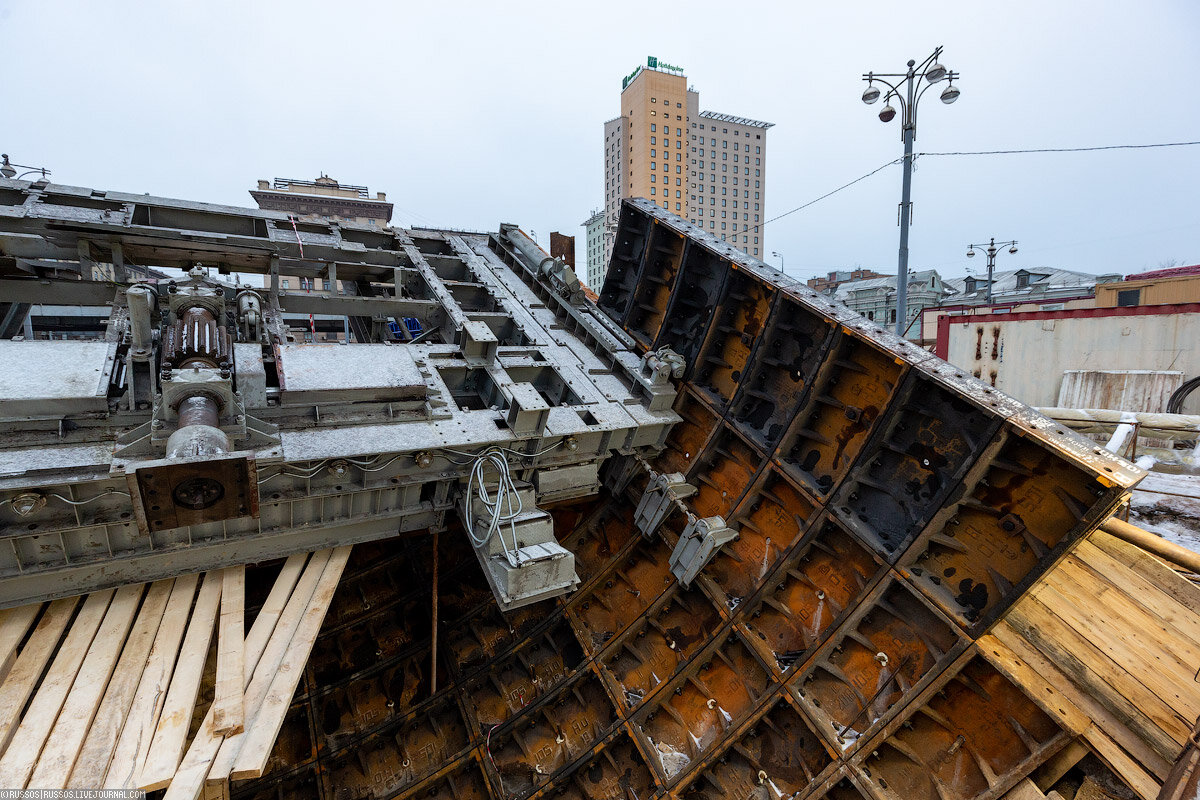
(91, 500)
(1057, 149)
(915, 156)
(828, 194)
(500, 508)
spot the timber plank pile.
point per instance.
(101, 691)
(1108, 643)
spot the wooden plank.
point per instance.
(1147, 664)
(1033, 681)
(66, 738)
(1106, 707)
(270, 663)
(1084, 710)
(190, 778)
(256, 750)
(1096, 594)
(26, 745)
(32, 660)
(102, 737)
(171, 733)
(1025, 790)
(231, 642)
(14, 624)
(1149, 567)
(268, 615)
(1147, 593)
(1124, 766)
(138, 732)
(1060, 764)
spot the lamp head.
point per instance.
(935, 73)
(887, 113)
(970, 252)
(6, 169)
(871, 94)
(1012, 249)
(950, 94)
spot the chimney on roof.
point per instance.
(264, 185)
(380, 196)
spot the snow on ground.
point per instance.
(1169, 505)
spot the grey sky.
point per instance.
(469, 114)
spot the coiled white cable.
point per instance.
(504, 508)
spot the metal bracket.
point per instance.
(700, 541)
(662, 494)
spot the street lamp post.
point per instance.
(9, 170)
(992, 249)
(907, 88)
(779, 255)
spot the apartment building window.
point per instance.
(722, 203)
(677, 182)
(756, 197)
(724, 130)
(652, 189)
(653, 113)
(711, 224)
(713, 142)
(722, 228)
(654, 179)
(653, 140)
(756, 186)
(757, 149)
(653, 154)
(677, 206)
(725, 144)
(285, 283)
(757, 161)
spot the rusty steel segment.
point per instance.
(777, 377)
(771, 517)
(849, 394)
(890, 647)
(975, 735)
(823, 579)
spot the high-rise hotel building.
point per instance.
(706, 167)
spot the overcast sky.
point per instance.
(472, 114)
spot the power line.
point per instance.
(973, 153)
(828, 194)
(1058, 149)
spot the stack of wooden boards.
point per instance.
(100, 691)
(1108, 643)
